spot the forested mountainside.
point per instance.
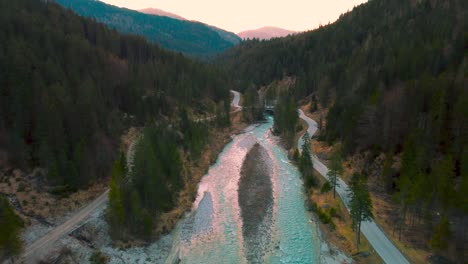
(394, 77)
(69, 86)
(189, 37)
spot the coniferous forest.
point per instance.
(189, 37)
(391, 73)
(69, 87)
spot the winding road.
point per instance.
(376, 237)
(236, 100)
(32, 253)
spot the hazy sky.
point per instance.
(239, 15)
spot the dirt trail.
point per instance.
(37, 248)
(32, 253)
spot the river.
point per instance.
(212, 233)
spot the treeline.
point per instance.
(140, 192)
(393, 75)
(149, 188)
(69, 86)
(252, 105)
(286, 117)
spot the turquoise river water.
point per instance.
(212, 233)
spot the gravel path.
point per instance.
(44, 243)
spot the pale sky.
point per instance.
(240, 15)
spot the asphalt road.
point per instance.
(376, 237)
(236, 100)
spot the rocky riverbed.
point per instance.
(249, 209)
(256, 200)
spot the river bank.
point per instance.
(333, 217)
(212, 231)
(294, 235)
(92, 235)
(197, 169)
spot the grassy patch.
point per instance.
(335, 224)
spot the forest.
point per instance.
(150, 186)
(142, 190)
(393, 76)
(189, 37)
(69, 86)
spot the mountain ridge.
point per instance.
(160, 12)
(189, 37)
(265, 33)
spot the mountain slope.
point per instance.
(69, 86)
(192, 38)
(228, 36)
(160, 12)
(265, 33)
(393, 76)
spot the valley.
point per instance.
(140, 136)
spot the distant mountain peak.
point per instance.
(265, 33)
(160, 12)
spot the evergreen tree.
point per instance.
(361, 205)
(441, 237)
(286, 117)
(462, 198)
(306, 166)
(386, 175)
(116, 213)
(10, 226)
(305, 162)
(408, 173)
(336, 169)
(252, 108)
(313, 105)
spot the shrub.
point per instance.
(21, 187)
(62, 190)
(325, 216)
(313, 206)
(296, 155)
(98, 258)
(310, 180)
(332, 212)
(326, 187)
(299, 127)
(10, 226)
